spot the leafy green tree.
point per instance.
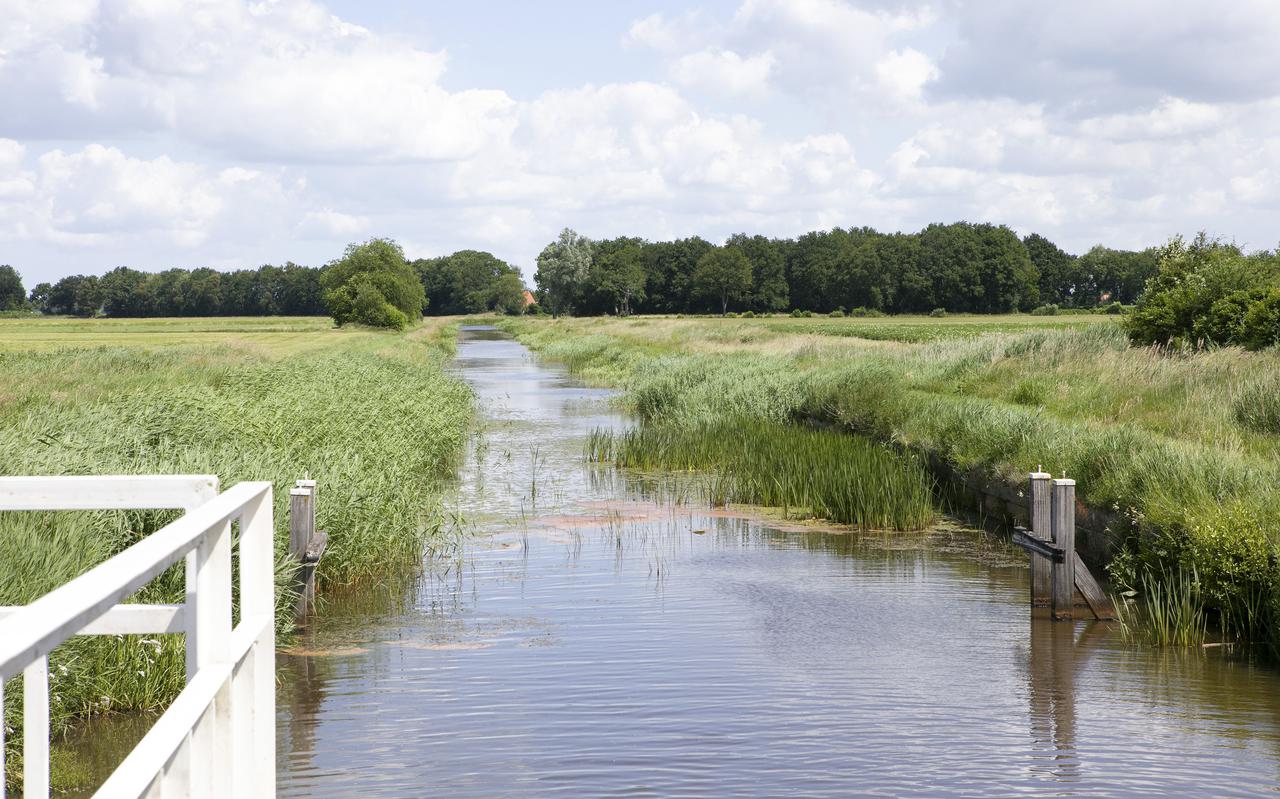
(724, 274)
(1202, 293)
(464, 282)
(619, 277)
(77, 295)
(769, 290)
(127, 292)
(13, 296)
(507, 294)
(563, 266)
(39, 297)
(1058, 270)
(373, 284)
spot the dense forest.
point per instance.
(963, 267)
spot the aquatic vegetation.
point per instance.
(373, 417)
(806, 472)
(1166, 611)
(1171, 442)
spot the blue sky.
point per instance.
(229, 133)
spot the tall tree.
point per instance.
(619, 278)
(12, 295)
(724, 274)
(1058, 270)
(563, 266)
(769, 291)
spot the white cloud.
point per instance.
(656, 31)
(724, 72)
(227, 129)
(98, 194)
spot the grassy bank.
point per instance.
(372, 416)
(1179, 445)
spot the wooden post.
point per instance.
(1042, 528)
(302, 522)
(1063, 523)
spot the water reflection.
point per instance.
(597, 641)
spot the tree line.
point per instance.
(964, 267)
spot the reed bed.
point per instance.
(805, 472)
(374, 418)
(1180, 445)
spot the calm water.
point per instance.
(591, 643)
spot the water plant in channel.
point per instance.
(805, 472)
(1166, 610)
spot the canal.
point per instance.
(590, 637)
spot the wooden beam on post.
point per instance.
(1041, 528)
(1098, 602)
(1063, 524)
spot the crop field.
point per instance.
(373, 416)
(1183, 446)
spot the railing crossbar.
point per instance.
(220, 728)
(36, 629)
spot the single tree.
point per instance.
(621, 277)
(507, 294)
(562, 271)
(373, 284)
(13, 296)
(723, 274)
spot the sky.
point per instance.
(156, 133)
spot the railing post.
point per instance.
(1063, 523)
(210, 740)
(257, 602)
(1041, 527)
(190, 607)
(35, 730)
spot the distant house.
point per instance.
(528, 298)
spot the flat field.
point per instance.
(373, 416)
(1184, 446)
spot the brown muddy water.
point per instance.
(587, 641)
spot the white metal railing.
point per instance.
(218, 737)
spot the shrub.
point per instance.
(1045, 310)
(1202, 294)
(938, 313)
(1114, 309)
(797, 313)
(1260, 327)
(836, 314)
(748, 314)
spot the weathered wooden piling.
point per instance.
(1063, 523)
(1054, 558)
(306, 543)
(1041, 528)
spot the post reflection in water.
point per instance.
(1053, 657)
